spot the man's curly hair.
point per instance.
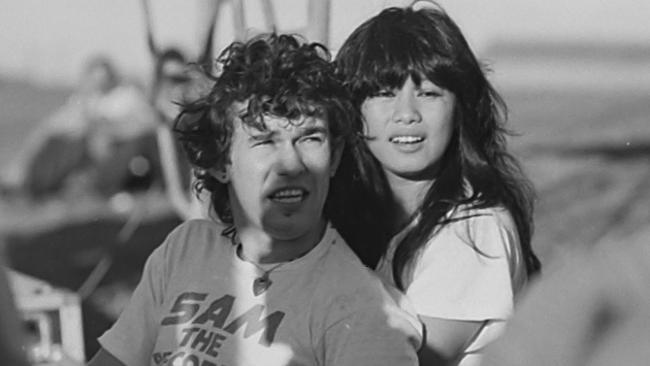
(276, 75)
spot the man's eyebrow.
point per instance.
(313, 130)
(258, 135)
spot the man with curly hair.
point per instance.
(270, 281)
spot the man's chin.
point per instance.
(292, 227)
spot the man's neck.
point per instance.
(260, 247)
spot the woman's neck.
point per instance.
(408, 195)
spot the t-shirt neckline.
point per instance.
(313, 256)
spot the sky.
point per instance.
(47, 41)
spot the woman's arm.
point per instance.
(461, 286)
(445, 339)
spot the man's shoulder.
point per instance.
(344, 272)
(195, 234)
(341, 261)
(199, 226)
(351, 290)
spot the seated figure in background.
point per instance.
(176, 81)
(91, 140)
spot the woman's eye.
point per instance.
(384, 93)
(430, 93)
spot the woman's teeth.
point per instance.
(406, 139)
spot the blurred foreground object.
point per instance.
(592, 309)
(11, 337)
(52, 321)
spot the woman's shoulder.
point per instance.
(491, 230)
(497, 216)
(478, 215)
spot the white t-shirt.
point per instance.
(195, 306)
(470, 270)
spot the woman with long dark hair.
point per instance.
(431, 161)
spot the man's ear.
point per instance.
(221, 174)
(337, 152)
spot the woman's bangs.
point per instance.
(399, 61)
(427, 61)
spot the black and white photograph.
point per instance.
(324, 183)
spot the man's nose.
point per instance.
(405, 109)
(289, 160)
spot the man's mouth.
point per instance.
(289, 195)
(406, 139)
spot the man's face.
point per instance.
(279, 178)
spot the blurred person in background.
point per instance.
(57, 146)
(171, 84)
(175, 82)
(101, 139)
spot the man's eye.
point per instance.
(313, 138)
(262, 142)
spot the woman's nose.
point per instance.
(406, 110)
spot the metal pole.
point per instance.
(319, 21)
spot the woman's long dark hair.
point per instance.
(383, 53)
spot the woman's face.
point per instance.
(409, 128)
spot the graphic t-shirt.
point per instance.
(470, 270)
(195, 306)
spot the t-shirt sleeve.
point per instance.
(372, 335)
(131, 339)
(466, 271)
